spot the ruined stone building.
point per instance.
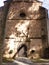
(23, 29)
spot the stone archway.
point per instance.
(21, 51)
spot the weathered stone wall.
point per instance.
(1, 36)
(48, 29)
(32, 11)
(25, 24)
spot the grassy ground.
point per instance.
(33, 60)
(40, 60)
(7, 60)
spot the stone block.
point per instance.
(36, 44)
(30, 28)
(27, 10)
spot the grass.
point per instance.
(40, 60)
(33, 60)
(6, 60)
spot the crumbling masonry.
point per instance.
(23, 25)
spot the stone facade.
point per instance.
(1, 33)
(25, 23)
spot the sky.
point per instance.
(45, 4)
(1, 3)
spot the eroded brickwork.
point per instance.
(1, 28)
(25, 25)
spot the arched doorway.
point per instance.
(21, 51)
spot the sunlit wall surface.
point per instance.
(25, 27)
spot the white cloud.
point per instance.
(1, 3)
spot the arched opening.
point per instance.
(21, 51)
(22, 14)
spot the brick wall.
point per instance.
(25, 24)
(1, 36)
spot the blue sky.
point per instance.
(45, 3)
